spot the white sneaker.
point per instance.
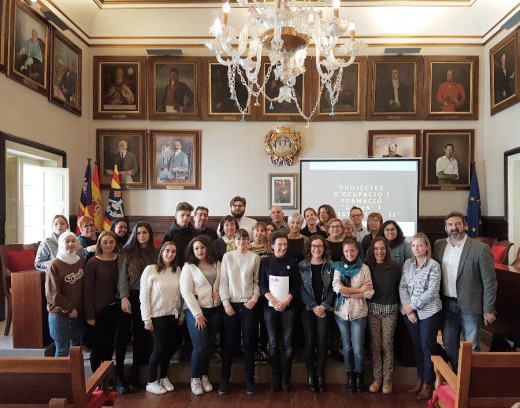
(166, 384)
(196, 387)
(155, 388)
(206, 385)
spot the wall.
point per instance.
(233, 158)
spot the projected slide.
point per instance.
(386, 186)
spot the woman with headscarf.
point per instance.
(64, 293)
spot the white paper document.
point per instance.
(279, 287)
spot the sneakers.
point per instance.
(196, 386)
(166, 384)
(155, 388)
(223, 388)
(206, 385)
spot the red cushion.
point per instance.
(20, 260)
(446, 395)
(157, 242)
(98, 399)
(499, 252)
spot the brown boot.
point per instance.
(426, 392)
(417, 388)
(387, 387)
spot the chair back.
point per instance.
(486, 240)
(492, 380)
(500, 250)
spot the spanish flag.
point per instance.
(97, 204)
(115, 201)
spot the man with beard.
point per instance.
(238, 208)
(469, 286)
(200, 222)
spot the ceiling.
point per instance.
(184, 24)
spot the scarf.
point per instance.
(230, 243)
(63, 254)
(347, 270)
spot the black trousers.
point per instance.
(163, 334)
(316, 333)
(104, 333)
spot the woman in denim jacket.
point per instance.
(318, 299)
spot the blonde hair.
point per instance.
(424, 237)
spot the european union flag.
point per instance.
(474, 219)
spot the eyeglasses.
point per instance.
(317, 246)
(356, 215)
(335, 226)
(373, 221)
(390, 229)
(89, 226)
(238, 205)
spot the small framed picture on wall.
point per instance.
(451, 85)
(29, 48)
(395, 86)
(175, 159)
(4, 26)
(174, 88)
(394, 143)
(127, 150)
(282, 190)
(119, 84)
(65, 73)
(505, 62)
(447, 158)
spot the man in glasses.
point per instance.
(356, 216)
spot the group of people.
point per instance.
(265, 287)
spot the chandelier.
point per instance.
(284, 29)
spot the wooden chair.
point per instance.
(7, 269)
(52, 381)
(516, 262)
(483, 380)
(487, 240)
(500, 250)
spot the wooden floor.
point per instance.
(300, 397)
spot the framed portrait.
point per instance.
(447, 158)
(174, 88)
(285, 110)
(127, 149)
(282, 190)
(175, 159)
(219, 103)
(65, 71)
(351, 104)
(4, 27)
(504, 61)
(119, 87)
(28, 48)
(394, 143)
(451, 88)
(395, 86)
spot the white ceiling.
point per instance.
(378, 22)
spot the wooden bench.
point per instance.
(483, 379)
(34, 382)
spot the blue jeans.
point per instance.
(66, 332)
(244, 319)
(453, 323)
(202, 340)
(279, 327)
(424, 339)
(353, 338)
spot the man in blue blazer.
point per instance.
(469, 286)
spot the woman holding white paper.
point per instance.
(279, 281)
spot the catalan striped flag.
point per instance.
(115, 201)
(85, 200)
(474, 219)
(97, 204)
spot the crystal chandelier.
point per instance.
(284, 29)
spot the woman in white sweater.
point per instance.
(239, 292)
(200, 280)
(161, 310)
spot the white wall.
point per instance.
(233, 157)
